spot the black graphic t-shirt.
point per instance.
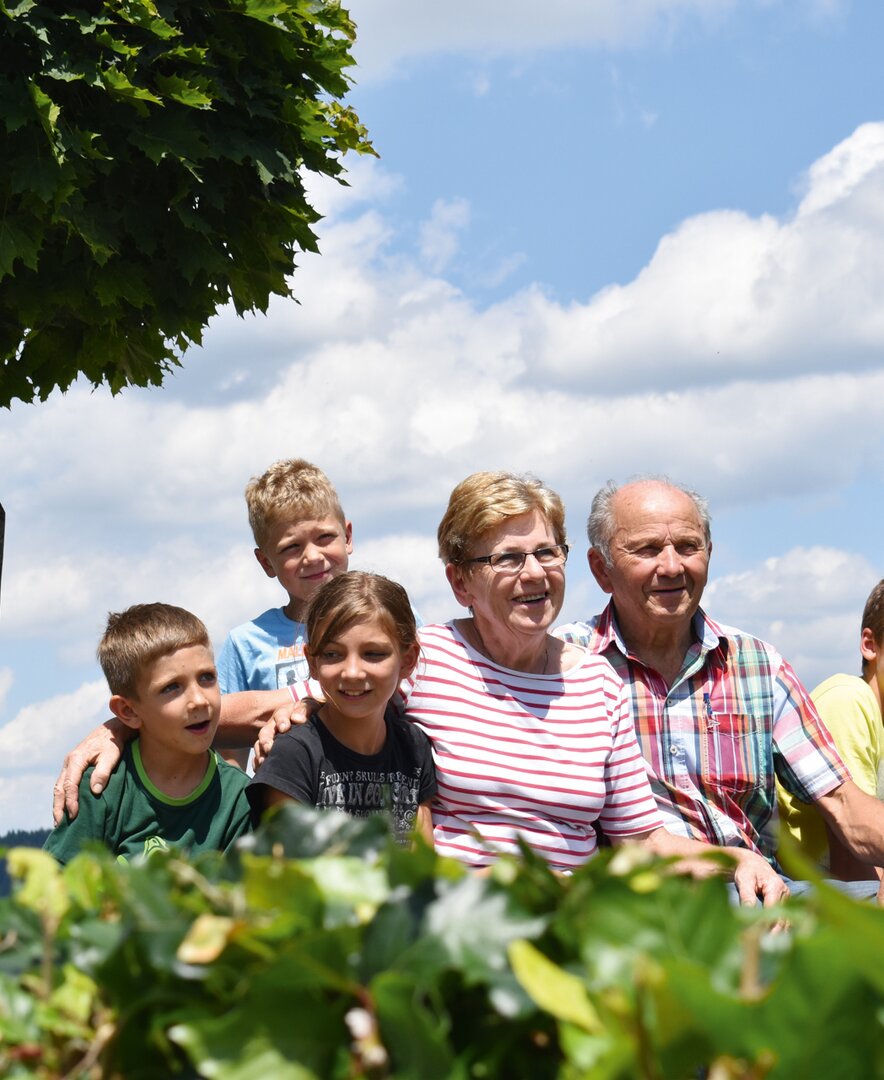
(309, 764)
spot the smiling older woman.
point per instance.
(532, 737)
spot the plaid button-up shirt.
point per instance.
(735, 716)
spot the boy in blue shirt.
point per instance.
(303, 540)
(170, 787)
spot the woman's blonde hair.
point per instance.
(486, 499)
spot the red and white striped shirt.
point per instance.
(538, 756)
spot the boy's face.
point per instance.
(303, 555)
(177, 703)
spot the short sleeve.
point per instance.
(231, 670)
(290, 767)
(630, 808)
(807, 763)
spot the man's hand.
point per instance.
(754, 877)
(293, 712)
(103, 748)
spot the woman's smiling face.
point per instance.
(523, 603)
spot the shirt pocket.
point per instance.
(736, 752)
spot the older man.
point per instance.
(718, 713)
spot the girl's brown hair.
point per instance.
(353, 597)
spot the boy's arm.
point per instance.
(232, 678)
(103, 748)
(243, 714)
(843, 864)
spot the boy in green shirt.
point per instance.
(170, 788)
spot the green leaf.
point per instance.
(553, 989)
(192, 93)
(47, 111)
(231, 1049)
(474, 922)
(16, 243)
(206, 939)
(352, 889)
(269, 11)
(415, 1037)
(43, 889)
(118, 83)
(76, 995)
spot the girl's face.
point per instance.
(360, 669)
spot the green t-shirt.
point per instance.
(133, 818)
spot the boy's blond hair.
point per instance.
(135, 638)
(291, 489)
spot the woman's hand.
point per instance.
(293, 712)
(103, 748)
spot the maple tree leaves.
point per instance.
(153, 157)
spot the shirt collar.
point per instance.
(707, 632)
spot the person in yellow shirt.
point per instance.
(851, 708)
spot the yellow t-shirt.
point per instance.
(849, 709)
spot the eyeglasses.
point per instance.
(511, 562)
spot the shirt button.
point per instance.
(673, 750)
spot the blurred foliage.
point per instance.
(321, 949)
(153, 154)
(17, 838)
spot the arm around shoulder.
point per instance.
(244, 713)
(90, 823)
(103, 748)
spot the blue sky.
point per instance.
(636, 235)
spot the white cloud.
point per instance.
(40, 735)
(439, 240)
(6, 677)
(807, 602)
(26, 801)
(391, 33)
(851, 165)
(412, 560)
(727, 296)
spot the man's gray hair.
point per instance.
(602, 521)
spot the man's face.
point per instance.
(659, 559)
